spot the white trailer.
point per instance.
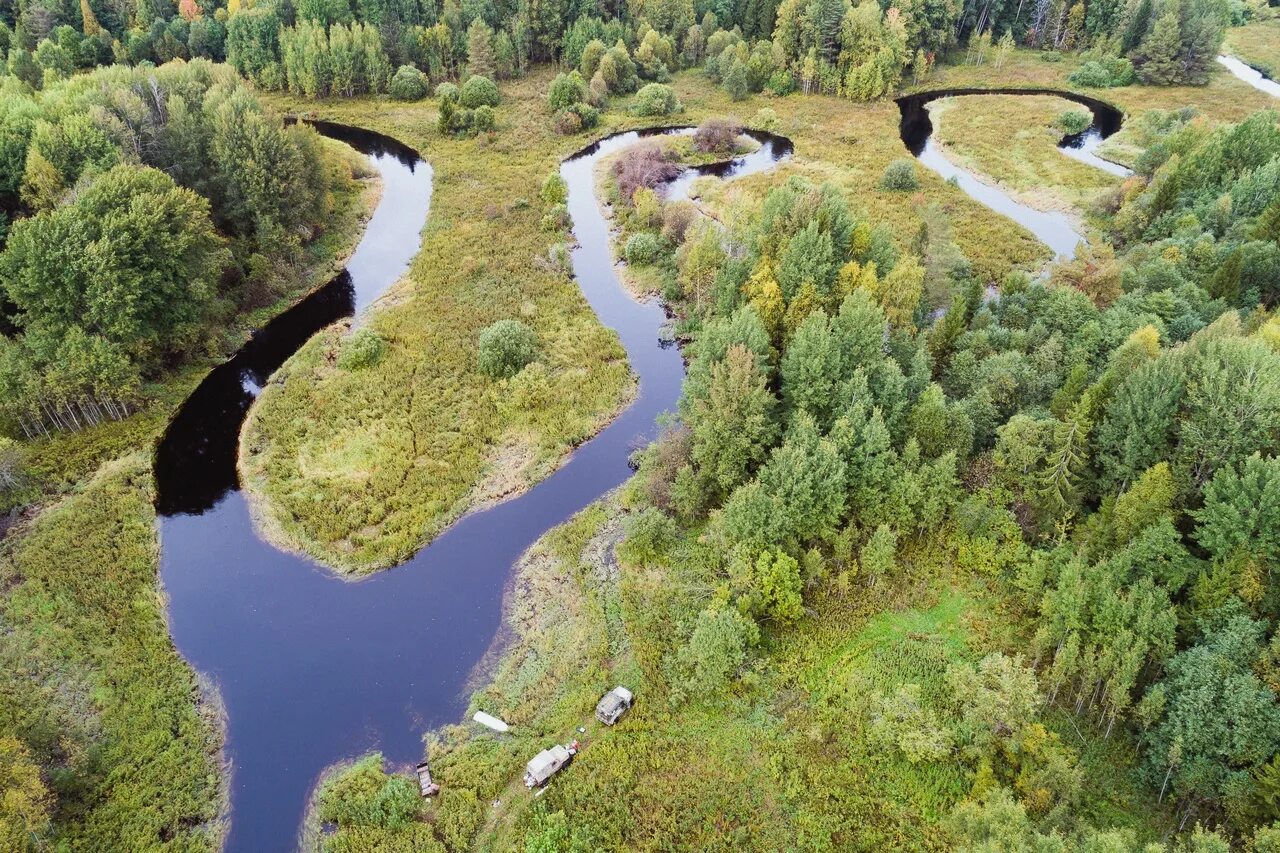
(546, 764)
(613, 705)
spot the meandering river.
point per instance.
(1250, 75)
(1051, 227)
(313, 669)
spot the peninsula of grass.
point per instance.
(1013, 142)
(1257, 44)
(91, 684)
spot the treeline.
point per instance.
(152, 205)
(1102, 443)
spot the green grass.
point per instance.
(1257, 44)
(90, 681)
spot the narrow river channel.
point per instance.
(1250, 75)
(1052, 228)
(313, 669)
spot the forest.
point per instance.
(946, 543)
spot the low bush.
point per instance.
(409, 84)
(656, 99)
(557, 218)
(567, 90)
(567, 122)
(765, 119)
(361, 350)
(483, 119)
(643, 249)
(1072, 122)
(505, 348)
(479, 92)
(717, 134)
(1102, 74)
(900, 176)
(447, 92)
(676, 219)
(645, 165)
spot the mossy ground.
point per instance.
(1258, 44)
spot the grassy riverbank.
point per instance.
(91, 684)
(786, 760)
(361, 468)
(1014, 143)
(1257, 44)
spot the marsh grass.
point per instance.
(91, 682)
(1013, 142)
(1257, 44)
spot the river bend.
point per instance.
(312, 668)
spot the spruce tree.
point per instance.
(1157, 57)
(480, 58)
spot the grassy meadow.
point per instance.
(1258, 44)
(1014, 143)
(92, 684)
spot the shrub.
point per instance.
(361, 350)
(447, 92)
(643, 249)
(557, 218)
(479, 92)
(505, 348)
(656, 99)
(483, 119)
(717, 134)
(589, 115)
(567, 90)
(676, 219)
(554, 189)
(781, 83)
(1072, 122)
(408, 84)
(1115, 71)
(765, 118)
(645, 165)
(900, 176)
(567, 122)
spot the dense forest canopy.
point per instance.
(858, 50)
(150, 205)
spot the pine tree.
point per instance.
(1158, 55)
(480, 56)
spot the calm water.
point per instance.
(1250, 75)
(1051, 228)
(314, 669)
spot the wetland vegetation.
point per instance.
(945, 546)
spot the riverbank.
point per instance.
(1257, 44)
(128, 736)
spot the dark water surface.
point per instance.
(1050, 227)
(314, 669)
